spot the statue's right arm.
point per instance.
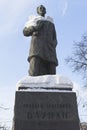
(28, 31)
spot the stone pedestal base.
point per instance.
(45, 111)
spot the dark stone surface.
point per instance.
(45, 111)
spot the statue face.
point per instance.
(41, 10)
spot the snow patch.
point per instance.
(46, 81)
(33, 20)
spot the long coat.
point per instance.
(43, 41)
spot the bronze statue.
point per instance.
(42, 54)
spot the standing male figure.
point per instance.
(42, 54)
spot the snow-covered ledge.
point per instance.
(45, 82)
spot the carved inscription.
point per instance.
(47, 111)
(53, 106)
(47, 115)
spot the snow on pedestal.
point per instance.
(44, 83)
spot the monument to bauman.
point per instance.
(42, 54)
(44, 100)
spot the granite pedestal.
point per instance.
(45, 105)
(45, 111)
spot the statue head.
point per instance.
(41, 10)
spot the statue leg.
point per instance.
(34, 67)
(37, 67)
(51, 68)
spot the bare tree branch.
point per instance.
(78, 60)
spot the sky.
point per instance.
(70, 22)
